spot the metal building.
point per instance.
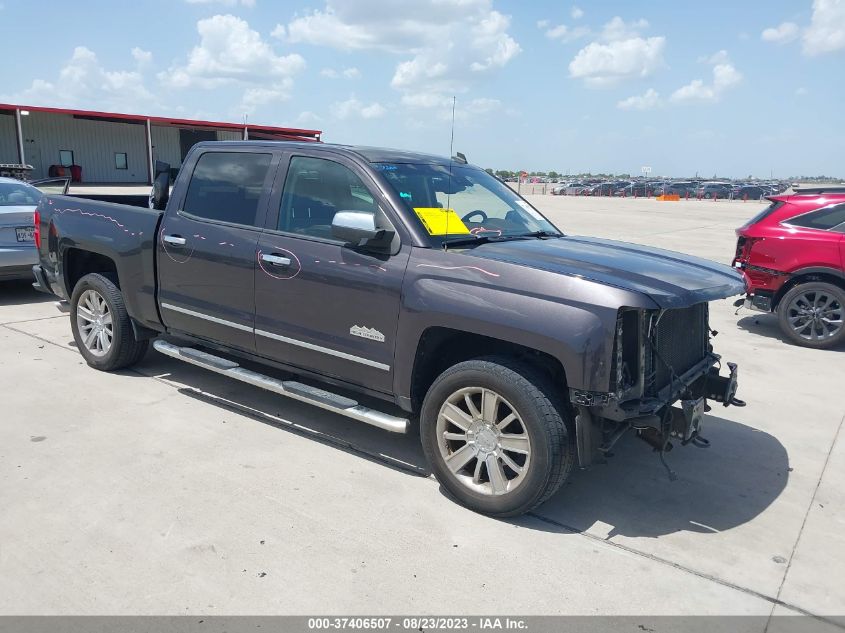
(109, 147)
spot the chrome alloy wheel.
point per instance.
(483, 441)
(815, 315)
(94, 320)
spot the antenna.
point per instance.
(449, 186)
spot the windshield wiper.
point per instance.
(475, 238)
(494, 236)
(539, 234)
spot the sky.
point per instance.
(724, 88)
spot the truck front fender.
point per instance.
(579, 337)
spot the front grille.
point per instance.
(681, 340)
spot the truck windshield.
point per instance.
(468, 202)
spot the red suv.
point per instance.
(793, 257)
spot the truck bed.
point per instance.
(123, 233)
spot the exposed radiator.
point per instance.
(681, 340)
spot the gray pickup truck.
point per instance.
(399, 289)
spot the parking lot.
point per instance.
(170, 490)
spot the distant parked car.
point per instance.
(18, 200)
(558, 190)
(575, 189)
(634, 189)
(751, 192)
(713, 189)
(601, 189)
(675, 188)
(793, 257)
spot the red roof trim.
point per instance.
(267, 129)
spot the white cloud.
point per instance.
(490, 39)
(556, 32)
(346, 73)
(84, 82)
(786, 32)
(442, 106)
(617, 29)
(420, 71)
(225, 3)
(725, 76)
(619, 53)
(352, 108)
(606, 64)
(373, 111)
(445, 44)
(646, 101)
(307, 117)
(541, 24)
(565, 34)
(253, 98)
(826, 32)
(577, 13)
(141, 56)
(696, 90)
(719, 57)
(230, 51)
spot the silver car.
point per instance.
(18, 200)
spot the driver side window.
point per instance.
(316, 189)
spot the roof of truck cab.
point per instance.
(370, 154)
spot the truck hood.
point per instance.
(670, 279)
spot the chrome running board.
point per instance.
(327, 400)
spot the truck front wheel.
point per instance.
(494, 437)
(101, 326)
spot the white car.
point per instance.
(18, 200)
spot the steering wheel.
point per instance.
(467, 217)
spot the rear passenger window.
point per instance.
(776, 204)
(316, 189)
(226, 186)
(823, 219)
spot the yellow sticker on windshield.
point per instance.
(439, 221)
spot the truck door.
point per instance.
(320, 305)
(206, 246)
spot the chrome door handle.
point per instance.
(276, 260)
(175, 240)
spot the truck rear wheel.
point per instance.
(101, 326)
(811, 314)
(494, 437)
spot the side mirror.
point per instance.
(358, 228)
(160, 192)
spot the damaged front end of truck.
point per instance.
(664, 375)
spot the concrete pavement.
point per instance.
(171, 490)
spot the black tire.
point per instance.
(707, 196)
(787, 307)
(540, 414)
(124, 350)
